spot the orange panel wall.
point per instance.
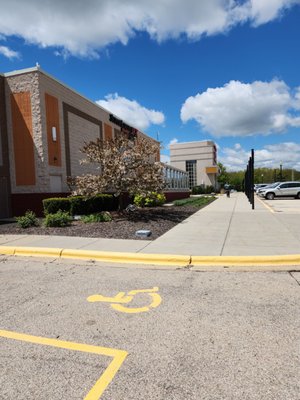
(23, 138)
(107, 132)
(52, 120)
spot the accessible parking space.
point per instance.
(84, 330)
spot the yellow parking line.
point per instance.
(104, 380)
(266, 205)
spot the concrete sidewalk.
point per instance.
(230, 227)
(227, 227)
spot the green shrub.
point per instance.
(101, 202)
(27, 220)
(53, 205)
(152, 199)
(203, 189)
(99, 217)
(78, 205)
(58, 219)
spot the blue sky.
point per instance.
(191, 70)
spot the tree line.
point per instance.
(261, 175)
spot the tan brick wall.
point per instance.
(80, 129)
(81, 132)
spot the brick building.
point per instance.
(43, 126)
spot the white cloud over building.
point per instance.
(131, 111)
(9, 53)
(244, 109)
(83, 28)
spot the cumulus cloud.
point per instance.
(84, 28)
(131, 111)
(9, 53)
(270, 156)
(244, 109)
(173, 141)
(265, 11)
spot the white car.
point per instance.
(284, 189)
(258, 186)
(263, 189)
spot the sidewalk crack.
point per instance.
(232, 213)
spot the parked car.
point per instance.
(268, 186)
(259, 186)
(283, 189)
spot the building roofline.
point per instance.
(195, 141)
(21, 71)
(39, 69)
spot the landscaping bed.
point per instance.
(123, 225)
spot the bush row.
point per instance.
(203, 189)
(59, 219)
(80, 205)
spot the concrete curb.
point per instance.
(247, 261)
(113, 257)
(153, 259)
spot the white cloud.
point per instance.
(270, 156)
(262, 11)
(173, 141)
(131, 111)
(8, 53)
(84, 28)
(244, 109)
(165, 158)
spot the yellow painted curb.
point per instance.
(128, 258)
(37, 251)
(293, 259)
(7, 250)
(153, 259)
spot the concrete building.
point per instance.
(199, 159)
(43, 126)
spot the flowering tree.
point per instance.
(121, 166)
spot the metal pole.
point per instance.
(252, 180)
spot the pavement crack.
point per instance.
(187, 267)
(292, 276)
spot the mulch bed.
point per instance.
(123, 226)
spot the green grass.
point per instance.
(194, 201)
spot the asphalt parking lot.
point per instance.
(283, 205)
(83, 330)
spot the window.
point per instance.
(191, 169)
(294, 184)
